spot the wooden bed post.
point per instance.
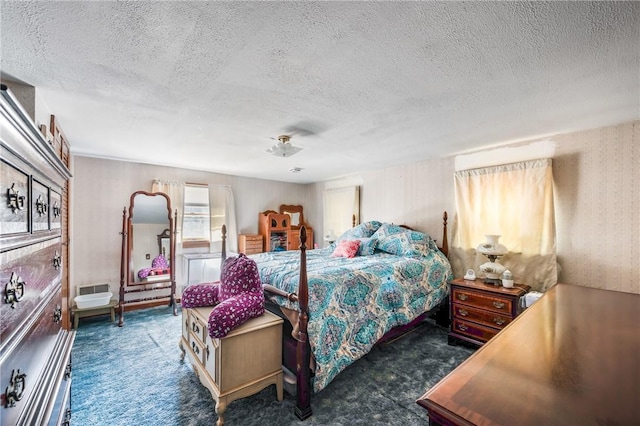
(172, 253)
(122, 267)
(445, 241)
(223, 255)
(303, 355)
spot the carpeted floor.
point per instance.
(134, 376)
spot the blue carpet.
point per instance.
(134, 376)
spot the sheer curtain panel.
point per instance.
(223, 211)
(514, 201)
(175, 190)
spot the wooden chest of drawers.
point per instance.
(250, 244)
(35, 346)
(479, 311)
(242, 363)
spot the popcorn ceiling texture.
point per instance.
(205, 85)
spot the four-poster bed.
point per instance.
(337, 309)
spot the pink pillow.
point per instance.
(346, 248)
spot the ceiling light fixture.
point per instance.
(283, 148)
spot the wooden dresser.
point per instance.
(572, 358)
(244, 362)
(479, 311)
(279, 232)
(274, 228)
(35, 348)
(250, 244)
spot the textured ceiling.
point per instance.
(358, 85)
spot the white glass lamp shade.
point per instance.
(492, 247)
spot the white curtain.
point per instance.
(222, 207)
(175, 190)
(514, 201)
(223, 211)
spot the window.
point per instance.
(196, 219)
(515, 201)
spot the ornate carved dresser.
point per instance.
(35, 347)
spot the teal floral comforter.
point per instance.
(353, 302)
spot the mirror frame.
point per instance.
(130, 278)
(139, 292)
(288, 209)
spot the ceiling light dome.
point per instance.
(283, 148)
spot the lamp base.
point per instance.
(494, 281)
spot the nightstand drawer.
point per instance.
(197, 327)
(488, 301)
(197, 347)
(481, 316)
(472, 330)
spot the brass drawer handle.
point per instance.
(57, 260)
(498, 321)
(67, 417)
(14, 391)
(14, 200)
(463, 312)
(195, 327)
(14, 290)
(462, 296)
(41, 206)
(498, 305)
(57, 314)
(196, 349)
(463, 327)
(56, 209)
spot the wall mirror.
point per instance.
(295, 213)
(148, 247)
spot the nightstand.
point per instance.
(478, 311)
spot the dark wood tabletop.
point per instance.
(573, 358)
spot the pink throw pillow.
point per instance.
(346, 248)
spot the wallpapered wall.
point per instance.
(597, 181)
(597, 193)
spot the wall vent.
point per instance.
(82, 289)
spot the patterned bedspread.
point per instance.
(353, 302)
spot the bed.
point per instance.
(340, 307)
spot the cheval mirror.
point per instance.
(147, 269)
